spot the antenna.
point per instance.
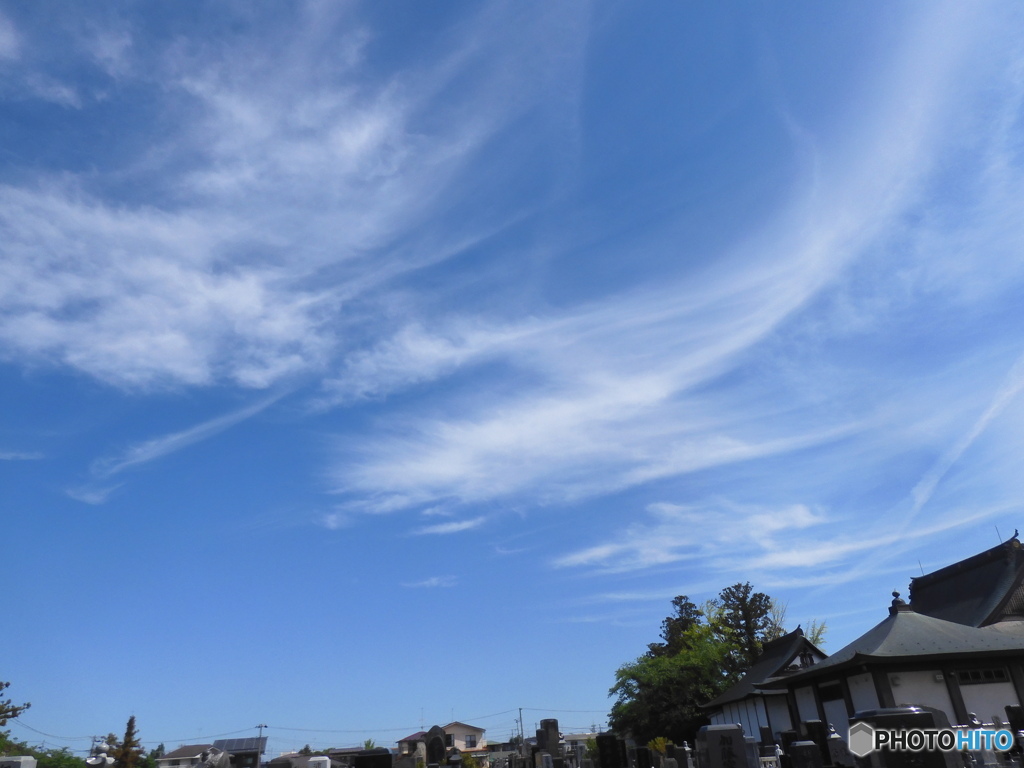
(920, 566)
(998, 534)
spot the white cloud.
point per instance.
(457, 526)
(20, 455)
(432, 582)
(10, 46)
(158, 447)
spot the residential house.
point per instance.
(183, 757)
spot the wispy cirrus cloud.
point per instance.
(455, 526)
(102, 470)
(21, 455)
(432, 582)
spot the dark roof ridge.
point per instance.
(1001, 550)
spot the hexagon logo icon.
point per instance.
(862, 739)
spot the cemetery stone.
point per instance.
(805, 754)
(643, 758)
(608, 751)
(372, 758)
(817, 732)
(722, 746)
(766, 735)
(839, 750)
(753, 758)
(434, 741)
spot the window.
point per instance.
(978, 676)
(449, 740)
(470, 740)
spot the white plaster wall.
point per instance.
(778, 714)
(805, 704)
(988, 699)
(922, 688)
(745, 713)
(862, 692)
(835, 714)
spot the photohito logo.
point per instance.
(865, 739)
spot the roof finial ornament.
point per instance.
(1016, 533)
(897, 603)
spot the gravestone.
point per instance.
(787, 739)
(753, 758)
(455, 757)
(722, 746)
(587, 763)
(817, 732)
(557, 762)
(608, 754)
(907, 718)
(839, 750)
(643, 758)
(546, 761)
(805, 754)
(630, 747)
(548, 737)
(669, 762)
(434, 741)
(766, 736)
(372, 758)
(405, 761)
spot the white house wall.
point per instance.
(988, 699)
(927, 687)
(778, 714)
(862, 692)
(806, 705)
(835, 714)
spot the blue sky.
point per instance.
(375, 365)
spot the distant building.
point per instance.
(184, 756)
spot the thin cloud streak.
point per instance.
(158, 447)
(21, 455)
(442, 529)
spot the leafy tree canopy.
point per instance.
(8, 709)
(703, 650)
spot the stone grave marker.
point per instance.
(372, 758)
(643, 758)
(753, 758)
(434, 741)
(722, 746)
(805, 754)
(839, 750)
(817, 732)
(608, 751)
(766, 735)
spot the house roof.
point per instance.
(775, 656)
(464, 725)
(908, 635)
(418, 736)
(250, 744)
(981, 590)
(189, 750)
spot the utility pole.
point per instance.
(522, 737)
(259, 746)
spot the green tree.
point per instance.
(8, 709)
(746, 621)
(703, 650)
(368, 744)
(306, 750)
(128, 752)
